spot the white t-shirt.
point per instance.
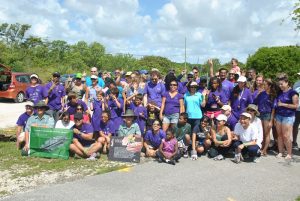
(60, 124)
(257, 124)
(246, 135)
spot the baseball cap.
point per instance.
(78, 75)
(34, 76)
(56, 74)
(226, 107)
(29, 103)
(242, 79)
(221, 117)
(94, 77)
(128, 73)
(246, 114)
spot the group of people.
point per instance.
(226, 112)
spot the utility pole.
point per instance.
(185, 54)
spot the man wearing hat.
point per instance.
(34, 92)
(94, 71)
(54, 93)
(83, 143)
(296, 87)
(246, 138)
(129, 127)
(21, 123)
(39, 120)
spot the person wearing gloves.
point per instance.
(246, 138)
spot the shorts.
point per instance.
(265, 117)
(171, 119)
(285, 120)
(21, 137)
(201, 142)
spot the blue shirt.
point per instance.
(193, 105)
(134, 129)
(88, 82)
(46, 121)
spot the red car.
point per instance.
(13, 84)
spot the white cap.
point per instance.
(226, 107)
(242, 79)
(246, 114)
(34, 76)
(29, 103)
(194, 83)
(94, 77)
(221, 117)
(298, 73)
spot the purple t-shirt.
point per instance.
(227, 87)
(97, 105)
(22, 120)
(35, 94)
(285, 97)
(141, 121)
(54, 99)
(264, 103)
(172, 105)
(212, 104)
(72, 108)
(240, 103)
(154, 139)
(154, 92)
(231, 122)
(107, 128)
(86, 129)
(114, 110)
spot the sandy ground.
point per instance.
(9, 112)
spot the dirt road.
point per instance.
(9, 112)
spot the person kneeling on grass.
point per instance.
(246, 138)
(83, 144)
(168, 149)
(153, 138)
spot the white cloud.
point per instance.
(213, 28)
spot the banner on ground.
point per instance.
(50, 142)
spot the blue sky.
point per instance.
(214, 28)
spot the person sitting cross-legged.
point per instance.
(83, 144)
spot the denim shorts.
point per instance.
(265, 117)
(171, 119)
(285, 120)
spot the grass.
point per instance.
(298, 198)
(11, 159)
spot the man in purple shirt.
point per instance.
(83, 143)
(21, 123)
(54, 93)
(227, 86)
(153, 90)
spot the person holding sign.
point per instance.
(129, 127)
(83, 143)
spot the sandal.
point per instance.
(280, 155)
(288, 157)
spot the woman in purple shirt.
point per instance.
(34, 92)
(240, 98)
(285, 107)
(258, 86)
(171, 106)
(265, 103)
(215, 98)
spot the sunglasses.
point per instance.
(78, 108)
(195, 72)
(117, 72)
(173, 85)
(93, 71)
(193, 87)
(28, 107)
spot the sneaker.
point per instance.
(172, 162)
(256, 160)
(237, 159)
(280, 155)
(92, 157)
(185, 152)
(219, 157)
(295, 146)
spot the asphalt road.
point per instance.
(204, 179)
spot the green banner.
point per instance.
(50, 142)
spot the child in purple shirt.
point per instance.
(140, 111)
(168, 149)
(106, 130)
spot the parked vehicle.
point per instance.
(13, 84)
